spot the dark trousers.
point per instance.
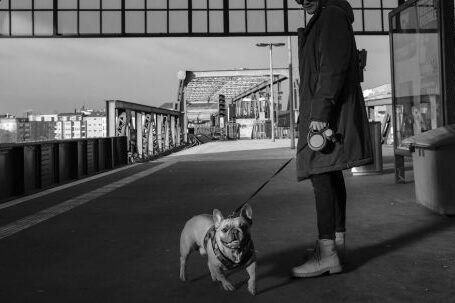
(330, 194)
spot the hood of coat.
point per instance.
(343, 4)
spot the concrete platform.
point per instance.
(116, 238)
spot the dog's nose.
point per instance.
(235, 234)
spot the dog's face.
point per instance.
(233, 233)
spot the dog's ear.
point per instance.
(217, 217)
(247, 212)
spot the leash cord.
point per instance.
(270, 179)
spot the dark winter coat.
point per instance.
(330, 91)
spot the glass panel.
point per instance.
(134, 22)
(44, 23)
(21, 23)
(256, 21)
(4, 5)
(416, 61)
(357, 26)
(237, 4)
(199, 22)
(112, 22)
(216, 4)
(112, 4)
(67, 4)
(372, 3)
(308, 17)
(178, 3)
(296, 20)
(386, 20)
(178, 22)
(275, 21)
(21, 4)
(89, 4)
(67, 22)
(156, 4)
(89, 22)
(237, 21)
(216, 22)
(274, 4)
(256, 3)
(199, 4)
(293, 4)
(156, 22)
(43, 4)
(356, 3)
(134, 4)
(373, 20)
(4, 23)
(390, 3)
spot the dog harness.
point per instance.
(227, 263)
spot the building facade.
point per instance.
(95, 125)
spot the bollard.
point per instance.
(376, 167)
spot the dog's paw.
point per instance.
(228, 286)
(252, 289)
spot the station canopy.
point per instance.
(173, 18)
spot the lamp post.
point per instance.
(291, 95)
(272, 114)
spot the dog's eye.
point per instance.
(225, 230)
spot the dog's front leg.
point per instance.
(222, 278)
(251, 269)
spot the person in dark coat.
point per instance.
(330, 97)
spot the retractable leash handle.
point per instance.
(318, 139)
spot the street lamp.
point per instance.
(272, 115)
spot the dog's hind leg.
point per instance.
(202, 251)
(186, 247)
(183, 259)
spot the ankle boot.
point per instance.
(324, 259)
(340, 244)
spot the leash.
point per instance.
(237, 210)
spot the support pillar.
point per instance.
(139, 128)
(446, 14)
(111, 117)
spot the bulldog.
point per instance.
(225, 241)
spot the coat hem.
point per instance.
(303, 175)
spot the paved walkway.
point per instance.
(116, 238)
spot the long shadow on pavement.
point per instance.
(283, 261)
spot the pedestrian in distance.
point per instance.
(331, 106)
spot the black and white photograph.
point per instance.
(227, 151)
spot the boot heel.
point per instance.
(335, 269)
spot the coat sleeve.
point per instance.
(334, 49)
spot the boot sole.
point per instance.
(331, 270)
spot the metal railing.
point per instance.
(26, 168)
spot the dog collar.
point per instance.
(227, 263)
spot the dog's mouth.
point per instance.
(233, 244)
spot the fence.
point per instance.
(30, 167)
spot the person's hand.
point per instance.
(318, 125)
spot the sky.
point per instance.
(59, 75)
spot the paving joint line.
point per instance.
(48, 213)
